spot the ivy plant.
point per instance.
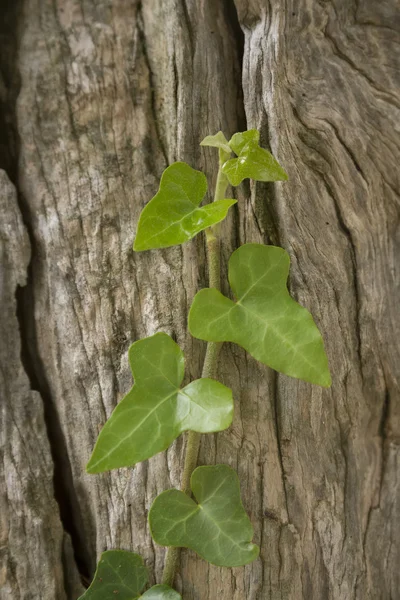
(261, 317)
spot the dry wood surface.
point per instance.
(96, 99)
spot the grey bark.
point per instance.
(34, 547)
(98, 98)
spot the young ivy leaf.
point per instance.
(174, 216)
(122, 575)
(218, 141)
(264, 320)
(156, 410)
(252, 161)
(216, 526)
(239, 140)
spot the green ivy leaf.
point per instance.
(156, 411)
(217, 141)
(161, 592)
(239, 140)
(265, 320)
(173, 216)
(252, 162)
(216, 527)
(119, 574)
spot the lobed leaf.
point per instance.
(216, 527)
(252, 161)
(264, 320)
(156, 410)
(121, 574)
(173, 216)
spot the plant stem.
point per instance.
(209, 370)
(170, 564)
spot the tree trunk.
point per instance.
(98, 98)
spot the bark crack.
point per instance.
(153, 105)
(276, 406)
(383, 433)
(30, 356)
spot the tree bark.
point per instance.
(98, 98)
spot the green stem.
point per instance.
(209, 370)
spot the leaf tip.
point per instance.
(91, 469)
(255, 551)
(95, 464)
(139, 246)
(326, 380)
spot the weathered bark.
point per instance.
(34, 547)
(110, 93)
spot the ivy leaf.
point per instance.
(119, 574)
(156, 411)
(239, 140)
(252, 162)
(173, 216)
(217, 141)
(161, 592)
(216, 527)
(265, 320)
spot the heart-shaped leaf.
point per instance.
(156, 411)
(216, 527)
(121, 574)
(173, 216)
(265, 320)
(252, 161)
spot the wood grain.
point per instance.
(325, 75)
(110, 93)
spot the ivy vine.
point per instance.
(262, 318)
